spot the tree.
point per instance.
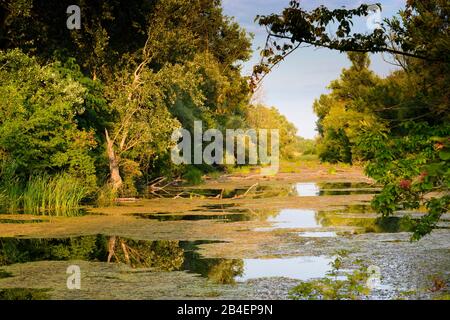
(159, 64)
(261, 117)
(295, 27)
(161, 85)
(345, 110)
(407, 149)
(39, 130)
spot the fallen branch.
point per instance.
(246, 192)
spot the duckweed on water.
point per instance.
(24, 294)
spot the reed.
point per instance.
(60, 194)
(10, 195)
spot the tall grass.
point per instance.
(10, 194)
(60, 194)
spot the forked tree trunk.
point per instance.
(116, 180)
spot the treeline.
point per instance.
(98, 105)
(398, 126)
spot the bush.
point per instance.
(193, 176)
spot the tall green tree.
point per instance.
(345, 110)
(409, 150)
(160, 64)
(40, 131)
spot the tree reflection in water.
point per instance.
(160, 255)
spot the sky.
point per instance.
(293, 86)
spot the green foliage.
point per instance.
(345, 111)
(262, 117)
(397, 125)
(5, 274)
(60, 194)
(306, 146)
(24, 294)
(136, 70)
(160, 255)
(414, 169)
(38, 126)
(193, 175)
(105, 196)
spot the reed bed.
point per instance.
(60, 194)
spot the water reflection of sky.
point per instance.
(319, 234)
(301, 268)
(295, 218)
(307, 189)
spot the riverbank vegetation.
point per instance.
(398, 126)
(89, 113)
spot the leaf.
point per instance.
(444, 155)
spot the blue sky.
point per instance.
(304, 75)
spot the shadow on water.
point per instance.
(349, 216)
(295, 218)
(79, 212)
(5, 274)
(228, 213)
(235, 217)
(164, 255)
(218, 207)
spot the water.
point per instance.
(165, 255)
(78, 212)
(365, 224)
(295, 218)
(304, 189)
(318, 234)
(162, 255)
(351, 216)
(232, 217)
(355, 218)
(174, 263)
(311, 189)
(307, 189)
(300, 268)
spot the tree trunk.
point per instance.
(116, 180)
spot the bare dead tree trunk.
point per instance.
(116, 179)
(111, 246)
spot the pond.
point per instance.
(303, 189)
(300, 268)
(358, 217)
(230, 247)
(158, 255)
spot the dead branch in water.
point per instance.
(246, 192)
